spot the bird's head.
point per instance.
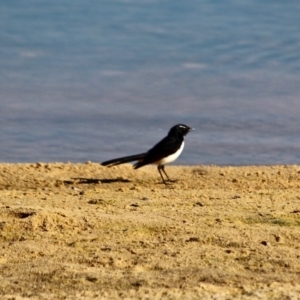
(180, 129)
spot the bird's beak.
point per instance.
(191, 129)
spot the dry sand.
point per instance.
(83, 231)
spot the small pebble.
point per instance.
(265, 243)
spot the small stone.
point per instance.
(198, 204)
(192, 239)
(278, 238)
(91, 278)
(95, 201)
(265, 243)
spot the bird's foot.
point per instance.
(169, 181)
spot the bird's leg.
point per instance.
(159, 167)
(163, 168)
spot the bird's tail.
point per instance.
(123, 160)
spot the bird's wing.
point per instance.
(167, 146)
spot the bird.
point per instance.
(164, 152)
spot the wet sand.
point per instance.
(83, 231)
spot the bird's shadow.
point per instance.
(82, 180)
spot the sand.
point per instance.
(83, 231)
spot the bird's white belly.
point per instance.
(171, 157)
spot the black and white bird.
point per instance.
(164, 152)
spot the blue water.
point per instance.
(93, 80)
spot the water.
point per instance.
(93, 80)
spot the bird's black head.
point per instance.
(180, 129)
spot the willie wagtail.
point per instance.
(166, 151)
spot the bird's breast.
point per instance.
(171, 157)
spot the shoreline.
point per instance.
(86, 231)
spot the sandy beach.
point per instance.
(83, 231)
